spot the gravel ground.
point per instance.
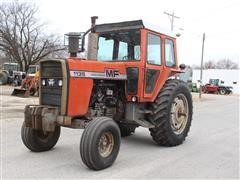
(211, 149)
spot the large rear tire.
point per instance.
(172, 112)
(222, 91)
(38, 140)
(100, 143)
(3, 77)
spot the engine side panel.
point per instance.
(79, 96)
(81, 78)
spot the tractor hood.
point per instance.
(97, 69)
(82, 75)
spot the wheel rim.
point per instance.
(222, 91)
(179, 114)
(106, 143)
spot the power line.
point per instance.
(171, 17)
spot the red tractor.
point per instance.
(216, 86)
(30, 85)
(126, 81)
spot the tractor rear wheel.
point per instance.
(222, 91)
(38, 140)
(172, 113)
(100, 143)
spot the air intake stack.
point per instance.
(73, 43)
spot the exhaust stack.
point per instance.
(93, 23)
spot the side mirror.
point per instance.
(182, 66)
(178, 35)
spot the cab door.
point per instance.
(153, 65)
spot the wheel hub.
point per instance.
(179, 114)
(43, 136)
(106, 144)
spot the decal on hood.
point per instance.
(108, 74)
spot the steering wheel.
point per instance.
(125, 57)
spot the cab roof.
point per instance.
(128, 25)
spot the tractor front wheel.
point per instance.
(38, 140)
(172, 113)
(100, 143)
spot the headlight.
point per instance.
(60, 83)
(43, 82)
(134, 99)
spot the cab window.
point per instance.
(122, 52)
(154, 49)
(169, 53)
(103, 49)
(119, 46)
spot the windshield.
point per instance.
(31, 70)
(119, 46)
(10, 67)
(214, 81)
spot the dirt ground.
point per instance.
(211, 149)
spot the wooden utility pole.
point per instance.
(201, 71)
(171, 17)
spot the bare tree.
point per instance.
(194, 66)
(221, 64)
(22, 38)
(209, 65)
(226, 64)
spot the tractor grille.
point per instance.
(51, 83)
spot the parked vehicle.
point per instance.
(124, 83)
(11, 74)
(30, 85)
(216, 86)
(194, 87)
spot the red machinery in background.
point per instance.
(216, 86)
(30, 84)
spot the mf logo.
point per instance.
(51, 82)
(111, 73)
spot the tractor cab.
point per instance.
(132, 41)
(147, 57)
(10, 67)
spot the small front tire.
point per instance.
(100, 143)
